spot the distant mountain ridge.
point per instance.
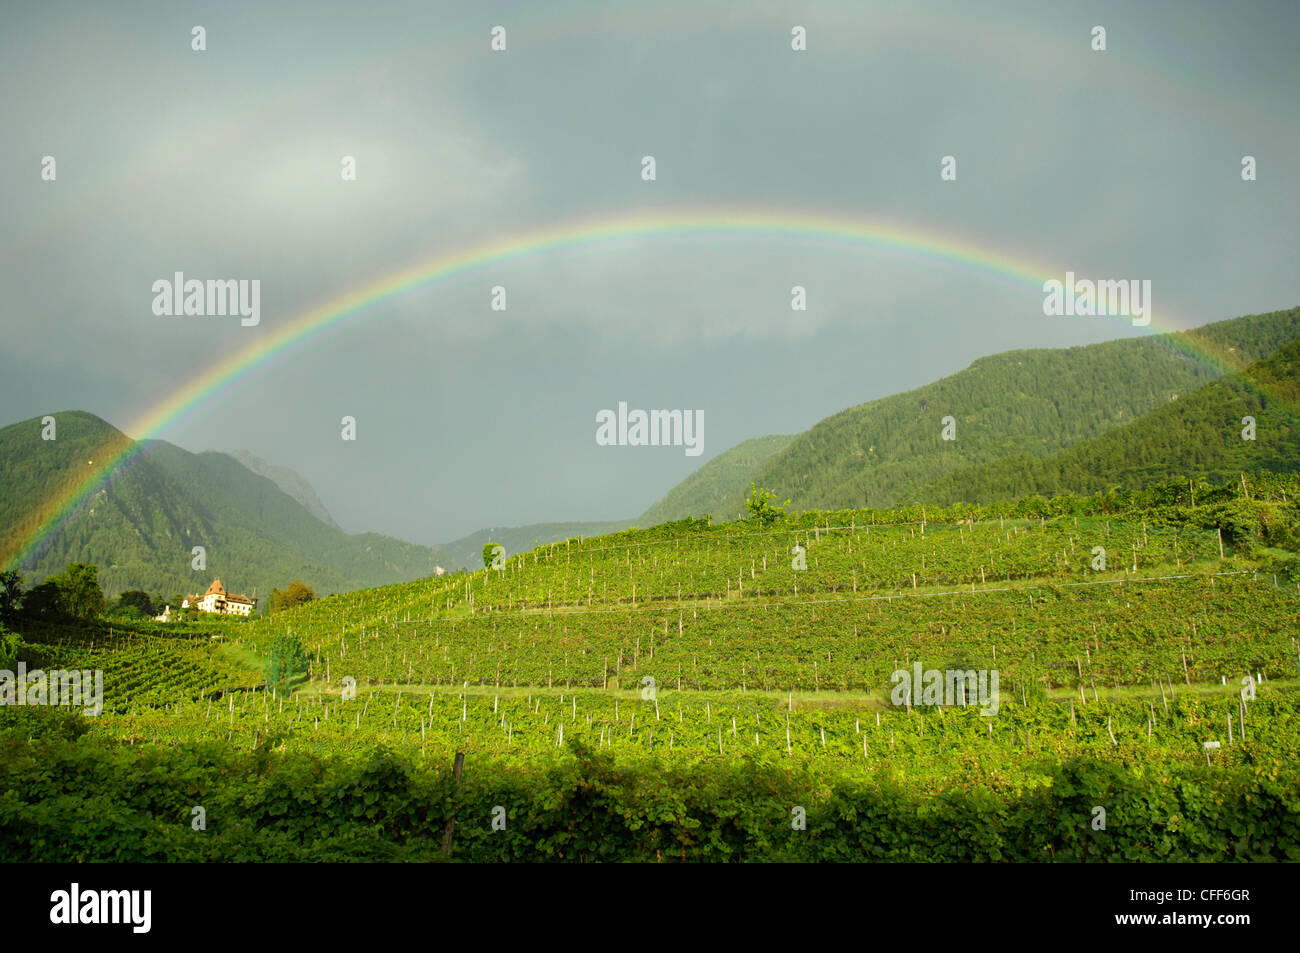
(467, 552)
(290, 481)
(711, 490)
(1129, 412)
(1199, 435)
(140, 527)
(1029, 403)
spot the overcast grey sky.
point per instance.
(226, 164)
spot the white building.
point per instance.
(217, 600)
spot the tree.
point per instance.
(761, 507)
(79, 586)
(296, 594)
(44, 601)
(11, 592)
(14, 650)
(285, 662)
(139, 600)
(10, 645)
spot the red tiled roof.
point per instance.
(217, 589)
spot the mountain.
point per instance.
(467, 552)
(290, 481)
(1021, 403)
(1199, 435)
(140, 526)
(711, 490)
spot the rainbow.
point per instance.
(636, 228)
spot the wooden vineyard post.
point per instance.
(451, 820)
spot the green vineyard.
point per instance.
(692, 692)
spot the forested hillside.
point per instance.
(711, 490)
(1199, 435)
(1033, 402)
(141, 525)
